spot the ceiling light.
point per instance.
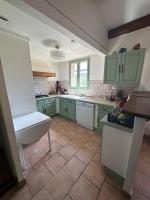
(57, 54)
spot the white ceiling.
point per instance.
(24, 24)
(118, 12)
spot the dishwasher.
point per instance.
(85, 114)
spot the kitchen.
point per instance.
(75, 86)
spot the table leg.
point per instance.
(49, 140)
(22, 157)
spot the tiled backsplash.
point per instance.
(96, 88)
(43, 85)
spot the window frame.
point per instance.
(78, 61)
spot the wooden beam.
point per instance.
(129, 27)
(43, 74)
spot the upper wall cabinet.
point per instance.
(124, 68)
(111, 69)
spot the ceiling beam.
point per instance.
(129, 27)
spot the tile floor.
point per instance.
(72, 170)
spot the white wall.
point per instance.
(64, 71)
(143, 37)
(83, 18)
(16, 63)
(96, 68)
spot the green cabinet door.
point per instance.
(132, 66)
(50, 106)
(46, 106)
(40, 106)
(111, 70)
(67, 108)
(62, 109)
(102, 112)
(71, 105)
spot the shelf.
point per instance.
(43, 74)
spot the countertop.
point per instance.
(138, 105)
(118, 126)
(94, 100)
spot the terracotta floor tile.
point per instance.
(67, 152)
(92, 146)
(71, 134)
(95, 173)
(138, 196)
(114, 182)
(144, 154)
(77, 143)
(60, 185)
(39, 179)
(55, 147)
(55, 163)
(146, 142)
(42, 195)
(110, 193)
(63, 141)
(17, 194)
(67, 138)
(83, 189)
(74, 167)
(55, 136)
(67, 198)
(96, 138)
(83, 136)
(84, 155)
(37, 160)
(97, 157)
(143, 167)
(142, 184)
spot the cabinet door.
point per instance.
(50, 106)
(40, 106)
(71, 105)
(61, 106)
(132, 66)
(102, 112)
(111, 70)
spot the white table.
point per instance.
(29, 129)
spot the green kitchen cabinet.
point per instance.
(50, 106)
(111, 69)
(46, 106)
(71, 105)
(67, 108)
(62, 107)
(124, 68)
(40, 106)
(132, 66)
(102, 112)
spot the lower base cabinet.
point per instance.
(46, 106)
(67, 108)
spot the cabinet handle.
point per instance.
(119, 69)
(122, 68)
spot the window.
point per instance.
(79, 73)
